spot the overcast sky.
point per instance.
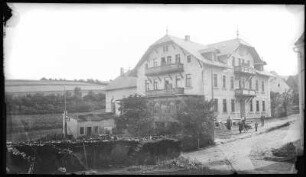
(93, 41)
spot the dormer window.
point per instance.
(165, 48)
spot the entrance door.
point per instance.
(242, 108)
(89, 131)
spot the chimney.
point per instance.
(121, 71)
(187, 38)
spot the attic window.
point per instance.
(189, 58)
(165, 48)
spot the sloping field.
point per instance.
(28, 86)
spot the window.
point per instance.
(189, 58)
(248, 62)
(224, 105)
(233, 105)
(165, 48)
(224, 81)
(251, 106)
(188, 80)
(250, 84)
(239, 61)
(163, 60)
(257, 106)
(177, 58)
(177, 81)
(216, 105)
(263, 86)
(263, 106)
(168, 59)
(154, 62)
(215, 80)
(232, 82)
(155, 85)
(147, 85)
(239, 83)
(82, 130)
(96, 129)
(256, 85)
(233, 61)
(243, 83)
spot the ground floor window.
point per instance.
(251, 106)
(224, 105)
(233, 105)
(263, 106)
(257, 106)
(96, 129)
(82, 130)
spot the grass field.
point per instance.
(26, 127)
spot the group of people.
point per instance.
(242, 126)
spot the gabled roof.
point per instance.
(187, 45)
(196, 49)
(121, 82)
(229, 46)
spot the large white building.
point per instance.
(229, 72)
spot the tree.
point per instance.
(196, 117)
(43, 79)
(287, 98)
(135, 116)
(275, 103)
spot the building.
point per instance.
(277, 83)
(293, 82)
(46, 87)
(121, 87)
(229, 72)
(79, 125)
(299, 49)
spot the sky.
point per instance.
(93, 41)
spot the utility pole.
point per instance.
(64, 116)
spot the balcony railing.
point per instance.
(244, 70)
(164, 69)
(164, 92)
(245, 92)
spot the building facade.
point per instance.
(87, 125)
(122, 87)
(277, 83)
(229, 72)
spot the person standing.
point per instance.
(262, 120)
(256, 125)
(240, 126)
(229, 123)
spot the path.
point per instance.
(245, 154)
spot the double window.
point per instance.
(155, 85)
(168, 59)
(262, 86)
(188, 80)
(165, 48)
(256, 85)
(177, 81)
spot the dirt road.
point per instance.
(247, 155)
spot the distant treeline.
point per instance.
(94, 81)
(48, 104)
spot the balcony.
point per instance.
(164, 92)
(244, 70)
(164, 69)
(245, 92)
